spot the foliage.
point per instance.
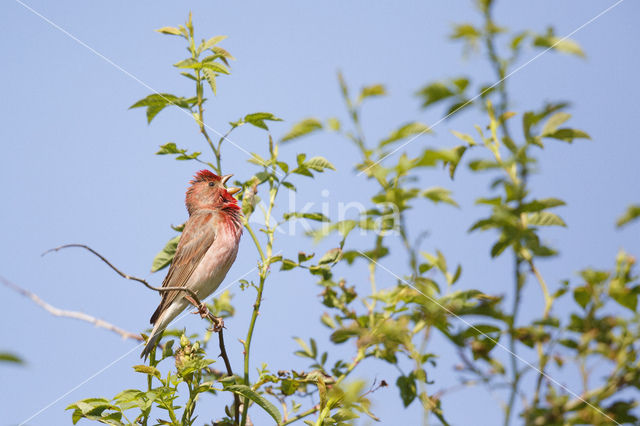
(597, 323)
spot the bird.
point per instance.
(207, 248)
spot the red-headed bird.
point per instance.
(207, 248)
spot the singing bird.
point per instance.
(207, 248)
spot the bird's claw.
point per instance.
(201, 308)
(217, 324)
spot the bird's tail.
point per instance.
(155, 335)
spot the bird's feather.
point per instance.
(196, 239)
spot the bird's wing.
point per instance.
(197, 237)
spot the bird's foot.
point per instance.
(217, 324)
(200, 308)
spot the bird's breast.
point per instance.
(216, 262)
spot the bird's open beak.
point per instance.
(224, 180)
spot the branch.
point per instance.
(192, 297)
(198, 304)
(70, 314)
(548, 300)
(302, 415)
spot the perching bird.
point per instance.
(207, 248)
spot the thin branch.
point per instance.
(192, 297)
(302, 415)
(190, 292)
(70, 314)
(548, 300)
(223, 353)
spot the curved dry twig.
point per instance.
(190, 292)
(192, 297)
(70, 314)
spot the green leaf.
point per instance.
(303, 257)
(319, 164)
(333, 124)
(164, 258)
(247, 392)
(249, 200)
(542, 204)
(302, 128)
(330, 257)
(439, 195)
(210, 76)
(555, 121)
(564, 45)
(632, 213)
(434, 92)
(311, 216)
(169, 148)
(371, 91)
(465, 137)
(188, 63)
(465, 31)
(169, 30)
(581, 296)
(8, 357)
(257, 119)
(431, 157)
(545, 219)
(408, 389)
(480, 330)
(147, 369)
(213, 41)
(568, 135)
(215, 67)
(223, 53)
(405, 131)
(158, 101)
(288, 264)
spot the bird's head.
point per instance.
(208, 190)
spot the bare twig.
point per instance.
(190, 292)
(192, 297)
(70, 314)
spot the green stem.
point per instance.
(247, 346)
(515, 378)
(302, 415)
(256, 242)
(499, 66)
(200, 121)
(263, 276)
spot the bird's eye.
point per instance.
(211, 183)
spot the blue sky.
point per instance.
(78, 166)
